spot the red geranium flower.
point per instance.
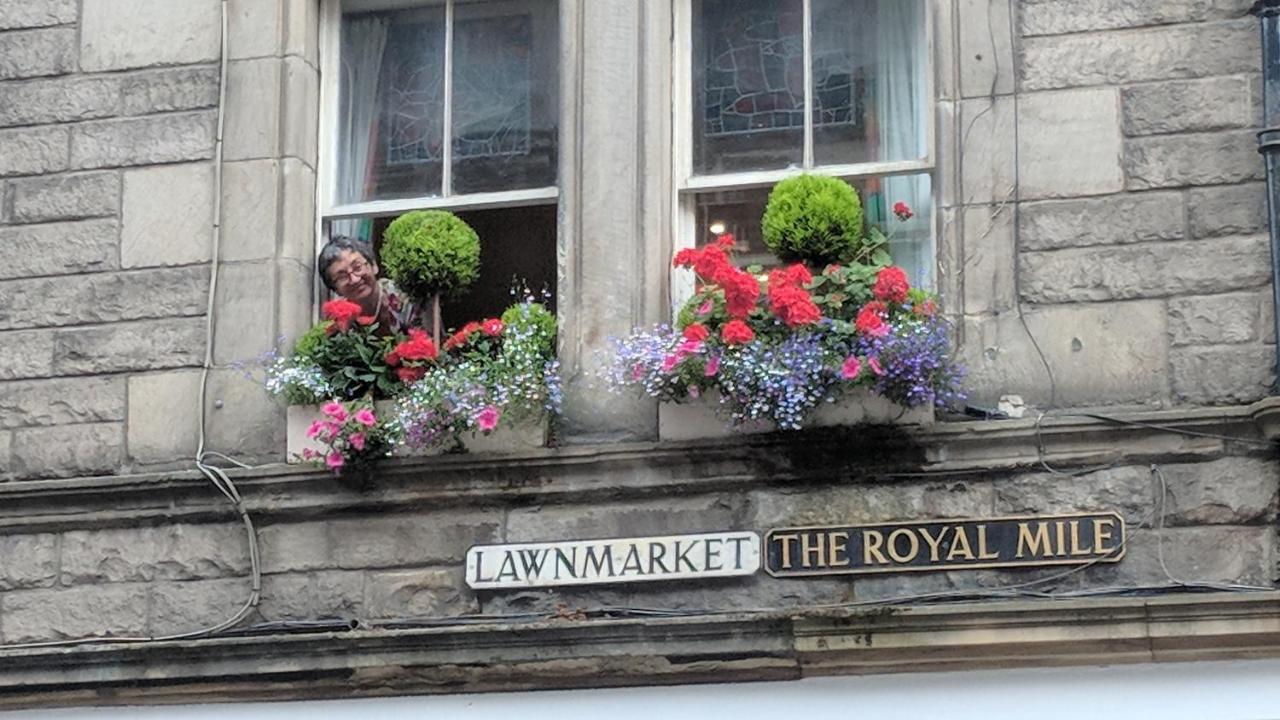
(341, 312)
(366, 319)
(741, 291)
(492, 327)
(891, 285)
(736, 332)
(870, 320)
(410, 374)
(696, 332)
(902, 210)
(418, 347)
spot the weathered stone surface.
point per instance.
(104, 297)
(168, 90)
(869, 503)
(1069, 144)
(1230, 491)
(61, 401)
(295, 546)
(665, 517)
(139, 33)
(164, 425)
(143, 141)
(58, 100)
(1205, 554)
(253, 109)
(1126, 490)
(312, 596)
(987, 144)
(1054, 17)
(1213, 319)
(297, 300)
(29, 151)
(427, 592)
(249, 209)
(298, 228)
(1228, 210)
(26, 354)
(1148, 270)
(146, 345)
(1187, 106)
(169, 552)
(1202, 159)
(242, 419)
(68, 450)
(986, 47)
(66, 197)
(1267, 321)
(34, 53)
(181, 607)
(1113, 220)
(52, 614)
(1222, 375)
(6, 455)
(254, 28)
(243, 326)
(28, 561)
(301, 110)
(393, 540)
(58, 248)
(302, 26)
(26, 14)
(990, 265)
(167, 216)
(1127, 56)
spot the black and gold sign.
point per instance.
(945, 545)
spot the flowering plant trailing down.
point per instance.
(775, 345)
(350, 433)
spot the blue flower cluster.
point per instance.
(782, 382)
(915, 362)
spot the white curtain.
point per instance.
(363, 43)
(901, 103)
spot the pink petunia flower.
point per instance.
(669, 363)
(309, 454)
(314, 430)
(335, 410)
(706, 308)
(335, 460)
(851, 368)
(875, 366)
(357, 441)
(487, 419)
(694, 392)
(365, 417)
(713, 366)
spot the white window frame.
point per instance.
(688, 184)
(328, 209)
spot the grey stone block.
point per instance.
(144, 345)
(297, 300)
(298, 229)
(143, 141)
(427, 592)
(1222, 554)
(1054, 17)
(302, 30)
(164, 423)
(864, 502)
(140, 33)
(33, 102)
(301, 110)
(183, 607)
(1125, 490)
(990, 265)
(103, 297)
(407, 540)
(58, 248)
(1201, 159)
(254, 96)
(1069, 144)
(31, 615)
(1187, 106)
(167, 216)
(674, 516)
(65, 197)
(1267, 321)
(17, 14)
(26, 354)
(68, 450)
(30, 151)
(61, 401)
(6, 455)
(249, 210)
(1112, 220)
(1228, 210)
(29, 561)
(1230, 491)
(169, 90)
(986, 47)
(288, 547)
(987, 147)
(35, 53)
(244, 324)
(1148, 270)
(169, 552)
(1126, 56)
(312, 596)
(1213, 319)
(254, 28)
(1223, 375)
(241, 419)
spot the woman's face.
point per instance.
(354, 278)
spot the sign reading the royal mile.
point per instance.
(588, 562)
(945, 545)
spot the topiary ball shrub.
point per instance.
(813, 219)
(431, 251)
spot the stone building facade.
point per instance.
(1101, 242)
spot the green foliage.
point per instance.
(814, 219)
(311, 341)
(431, 251)
(840, 291)
(535, 318)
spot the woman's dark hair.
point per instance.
(333, 250)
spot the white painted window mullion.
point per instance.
(447, 134)
(807, 55)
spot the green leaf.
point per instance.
(881, 258)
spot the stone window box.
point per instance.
(697, 419)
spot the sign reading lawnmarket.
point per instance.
(587, 562)
(945, 545)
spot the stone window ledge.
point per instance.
(617, 652)
(639, 469)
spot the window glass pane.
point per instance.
(391, 105)
(748, 85)
(505, 100)
(869, 90)
(911, 242)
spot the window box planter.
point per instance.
(697, 419)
